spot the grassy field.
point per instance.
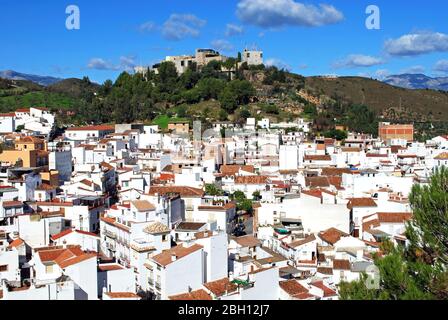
(36, 99)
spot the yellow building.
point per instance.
(29, 152)
(179, 126)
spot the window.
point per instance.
(49, 269)
(164, 237)
(4, 268)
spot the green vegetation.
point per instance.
(222, 92)
(336, 134)
(419, 270)
(213, 190)
(242, 203)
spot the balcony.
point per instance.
(158, 286)
(151, 282)
(110, 234)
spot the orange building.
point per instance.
(30, 152)
(387, 131)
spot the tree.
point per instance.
(336, 134)
(362, 119)
(210, 88)
(223, 115)
(213, 190)
(256, 195)
(242, 203)
(419, 270)
(244, 114)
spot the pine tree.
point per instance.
(419, 270)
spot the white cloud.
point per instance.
(278, 13)
(101, 64)
(181, 26)
(441, 66)
(233, 30)
(148, 27)
(277, 63)
(414, 70)
(127, 63)
(222, 45)
(417, 44)
(358, 61)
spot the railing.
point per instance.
(110, 234)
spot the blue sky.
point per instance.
(307, 37)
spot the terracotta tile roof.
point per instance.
(361, 203)
(12, 204)
(313, 193)
(110, 267)
(143, 205)
(299, 243)
(231, 170)
(394, 217)
(325, 270)
(295, 289)
(315, 182)
(29, 139)
(68, 231)
(122, 295)
(376, 155)
(251, 180)
(16, 243)
(65, 257)
(86, 182)
(183, 191)
(27, 110)
(7, 115)
(385, 217)
(200, 294)
(165, 258)
(190, 226)
(348, 149)
(93, 128)
(332, 235)
(317, 158)
(328, 292)
(335, 171)
(288, 171)
(247, 241)
(220, 287)
(339, 264)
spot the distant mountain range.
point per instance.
(42, 80)
(417, 81)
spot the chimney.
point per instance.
(173, 257)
